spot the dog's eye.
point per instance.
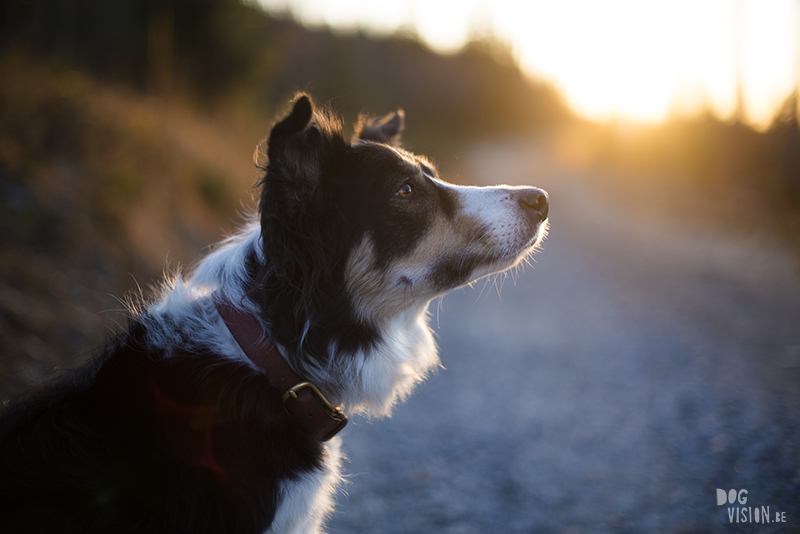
(406, 191)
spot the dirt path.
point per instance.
(642, 364)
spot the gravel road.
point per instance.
(642, 364)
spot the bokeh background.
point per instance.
(651, 356)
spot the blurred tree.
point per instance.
(160, 36)
(784, 135)
(210, 50)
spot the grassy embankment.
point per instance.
(101, 188)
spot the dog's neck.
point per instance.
(368, 380)
(301, 398)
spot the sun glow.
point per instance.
(627, 59)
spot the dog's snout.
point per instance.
(535, 200)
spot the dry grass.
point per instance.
(101, 188)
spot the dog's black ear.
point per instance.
(291, 152)
(304, 149)
(382, 130)
(296, 150)
(296, 121)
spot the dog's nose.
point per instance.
(535, 200)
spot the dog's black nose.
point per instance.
(535, 200)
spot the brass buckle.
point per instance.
(335, 411)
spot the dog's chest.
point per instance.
(308, 500)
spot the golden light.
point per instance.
(627, 59)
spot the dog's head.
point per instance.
(357, 232)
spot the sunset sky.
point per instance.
(634, 60)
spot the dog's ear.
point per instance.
(382, 130)
(296, 150)
(292, 148)
(297, 119)
(304, 148)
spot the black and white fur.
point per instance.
(173, 429)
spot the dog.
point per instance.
(216, 409)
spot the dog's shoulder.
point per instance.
(145, 436)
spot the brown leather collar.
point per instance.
(302, 399)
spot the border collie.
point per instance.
(214, 410)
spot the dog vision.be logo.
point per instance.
(738, 512)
